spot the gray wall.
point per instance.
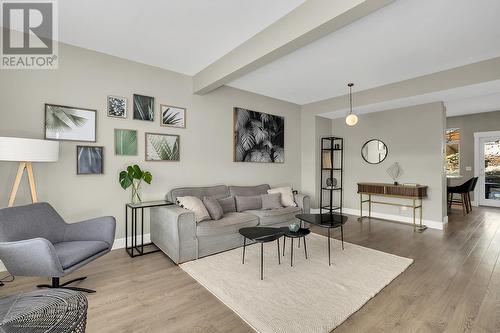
(414, 137)
(84, 79)
(469, 124)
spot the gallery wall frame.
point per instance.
(69, 123)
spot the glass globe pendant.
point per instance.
(351, 118)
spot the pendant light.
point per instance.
(351, 118)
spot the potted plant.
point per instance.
(134, 176)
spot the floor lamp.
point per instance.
(26, 151)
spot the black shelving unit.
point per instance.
(332, 166)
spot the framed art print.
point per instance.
(258, 137)
(68, 123)
(162, 147)
(144, 107)
(173, 116)
(117, 107)
(125, 142)
(89, 160)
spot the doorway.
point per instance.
(487, 168)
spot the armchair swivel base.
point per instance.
(56, 284)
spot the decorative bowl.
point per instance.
(294, 227)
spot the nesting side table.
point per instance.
(136, 249)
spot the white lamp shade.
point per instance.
(351, 119)
(28, 150)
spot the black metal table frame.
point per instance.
(285, 236)
(134, 247)
(329, 226)
(262, 240)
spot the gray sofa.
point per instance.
(175, 231)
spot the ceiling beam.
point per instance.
(308, 22)
(463, 76)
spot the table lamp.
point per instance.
(26, 151)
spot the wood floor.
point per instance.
(453, 285)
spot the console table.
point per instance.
(413, 193)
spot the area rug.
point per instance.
(308, 297)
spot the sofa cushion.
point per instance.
(71, 253)
(229, 224)
(213, 207)
(271, 201)
(287, 198)
(228, 204)
(248, 191)
(274, 216)
(247, 203)
(195, 205)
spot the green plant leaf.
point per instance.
(137, 172)
(125, 180)
(147, 177)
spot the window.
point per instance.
(453, 151)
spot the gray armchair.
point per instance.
(35, 241)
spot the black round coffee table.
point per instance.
(301, 233)
(261, 235)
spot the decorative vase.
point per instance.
(294, 227)
(136, 193)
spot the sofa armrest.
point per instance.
(304, 202)
(31, 257)
(173, 230)
(97, 229)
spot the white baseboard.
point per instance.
(390, 217)
(118, 244)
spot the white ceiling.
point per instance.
(483, 97)
(180, 35)
(406, 39)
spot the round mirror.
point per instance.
(374, 151)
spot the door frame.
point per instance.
(478, 191)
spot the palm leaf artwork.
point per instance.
(61, 119)
(89, 160)
(161, 147)
(143, 107)
(125, 142)
(172, 116)
(259, 137)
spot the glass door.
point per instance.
(489, 171)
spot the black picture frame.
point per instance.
(143, 107)
(88, 155)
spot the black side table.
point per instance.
(135, 249)
(301, 233)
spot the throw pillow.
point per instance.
(228, 205)
(213, 207)
(271, 201)
(195, 205)
(248, 203)
(287, 199)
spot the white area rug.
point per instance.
(308, 297)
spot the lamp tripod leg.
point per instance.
(15, 187)
(31, 180)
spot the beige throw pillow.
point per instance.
(286, 196)
(195, 205)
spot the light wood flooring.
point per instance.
(453, 285)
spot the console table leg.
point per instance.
(360, 207)
(414, 212)
(369, 206)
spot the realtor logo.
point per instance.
(29, 35)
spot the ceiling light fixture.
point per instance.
(351, 118)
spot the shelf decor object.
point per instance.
(25, 151)
(331, 175)
(414, 193)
